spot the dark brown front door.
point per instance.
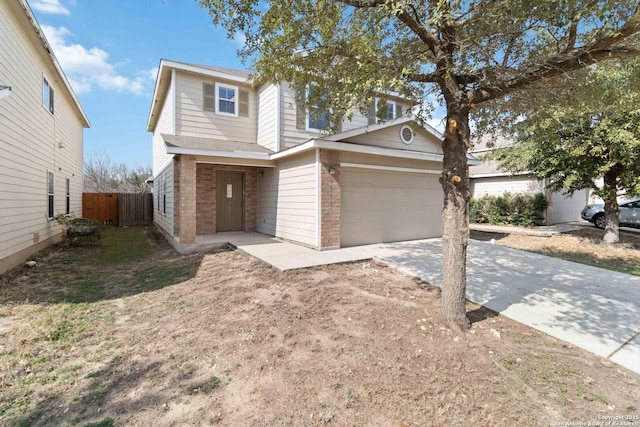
(229, 201)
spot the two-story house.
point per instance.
(232, 156)
(41, 127)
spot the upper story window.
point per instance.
(226, 100)
(390, 114)
(318, 117)
(392, 110)
(47, 95)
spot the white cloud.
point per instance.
(239, 39)
(52, 7)
(87, 68)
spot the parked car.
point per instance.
(629, 215)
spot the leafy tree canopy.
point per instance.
(484, 48)
(578, 130)
(585, 133)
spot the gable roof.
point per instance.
(379, 126)
(163, 81)
(23, 14)
(363, 130)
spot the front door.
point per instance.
(229, 201)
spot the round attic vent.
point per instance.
(406, 134)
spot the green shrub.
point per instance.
(515, 209)
(79, 231)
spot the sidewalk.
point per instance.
(543, 230)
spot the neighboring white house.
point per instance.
(230, 156)
(489, 179)
(41, 126)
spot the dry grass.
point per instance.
(222, 339)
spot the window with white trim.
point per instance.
(164, 195)
(318, 117)
(67, 191)
(391, 111)
(47, 95)
(226, 100)
(50, 195)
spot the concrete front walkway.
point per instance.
(595, 309)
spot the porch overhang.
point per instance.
(208, 150)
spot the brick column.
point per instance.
(187, 201)
(250, 198)
(329, 199)
(205, 199)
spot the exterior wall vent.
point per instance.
(406, 134)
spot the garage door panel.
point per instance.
(383, 206)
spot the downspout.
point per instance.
(171, 163)
(173, 99)
(278, 118)
(318, 200)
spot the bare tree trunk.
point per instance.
(455, 219)
(611, 210)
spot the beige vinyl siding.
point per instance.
(291, 136)
(495, 186)
(267, 116)
(288, 201)
(371, 159)
(390, 138)
(166, 125)
(358, 120)
(163, 220)
(361, 120)
(29, 136)
(192, 120)
(486, 167)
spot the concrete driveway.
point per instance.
(595, 309)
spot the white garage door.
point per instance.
(388, 206)
(568, 209)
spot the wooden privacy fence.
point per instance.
(118, 208)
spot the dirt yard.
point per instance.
(158, 339)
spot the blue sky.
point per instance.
(110, 51)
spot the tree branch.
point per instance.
(419, 30)
(411, 22)
(555, 66)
